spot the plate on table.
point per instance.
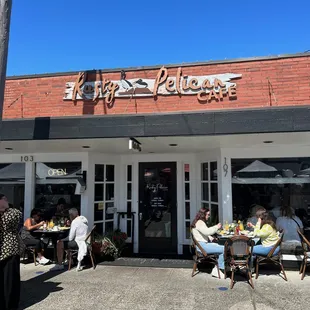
(244, 232)
(223, 233)
(64, 228)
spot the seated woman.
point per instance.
(290, 224)
(254, 208)
(31, 224)
(266, 230)
(203, 235)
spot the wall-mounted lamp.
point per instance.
(134, 145)
(81, 183)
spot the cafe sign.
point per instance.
(207, 88)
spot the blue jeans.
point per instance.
(214, 248)
(264, 250)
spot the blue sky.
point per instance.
(71, 35)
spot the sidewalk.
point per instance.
(133, 288)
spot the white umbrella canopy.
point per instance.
(14, 171)
(305, 171)
(258, 166)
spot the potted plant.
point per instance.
(118, 238)
(110, 245)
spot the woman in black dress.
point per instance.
(9, 256)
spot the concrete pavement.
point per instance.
(134, 288)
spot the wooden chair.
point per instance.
(271, 258)
(201, 256)
(32, 251)
(237, 256)
(29, 249)
(73, 253)
(306, 260)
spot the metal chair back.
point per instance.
(304, 242)
(271, 253)
(239, 246)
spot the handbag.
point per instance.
(298, 228)
(296, 223)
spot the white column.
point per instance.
(118, 201)
(225, 190)
(194, 184)
(180, 207)
(87, 198)
(30, 184)
(121, 186)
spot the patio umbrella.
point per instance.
(258, 166)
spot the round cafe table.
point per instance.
(223, 238)
(54, 236)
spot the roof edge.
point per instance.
(185, 64)
(111, 116)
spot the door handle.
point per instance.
(140, 216)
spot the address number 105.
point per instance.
(26, 158)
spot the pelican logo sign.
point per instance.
(207, 87)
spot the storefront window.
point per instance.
(56, 189)
(272, 184)
(209, 190)
(104, 198)
(12, 183)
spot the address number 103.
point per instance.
(26, 158)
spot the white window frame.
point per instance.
(105, 201)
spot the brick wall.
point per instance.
(289, 85)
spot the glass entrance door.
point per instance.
(157, 208)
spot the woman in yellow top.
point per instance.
(266, 230)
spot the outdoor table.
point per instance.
(223, 238)
(54, 236)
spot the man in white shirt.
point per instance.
(75, 240)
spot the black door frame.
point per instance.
(149, 245)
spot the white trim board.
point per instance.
(292, 257)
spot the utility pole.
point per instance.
(5, 18)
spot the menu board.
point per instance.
(157, 194)
(157, 202)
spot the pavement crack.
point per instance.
(253, 301)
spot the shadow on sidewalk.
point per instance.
(38, 288)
